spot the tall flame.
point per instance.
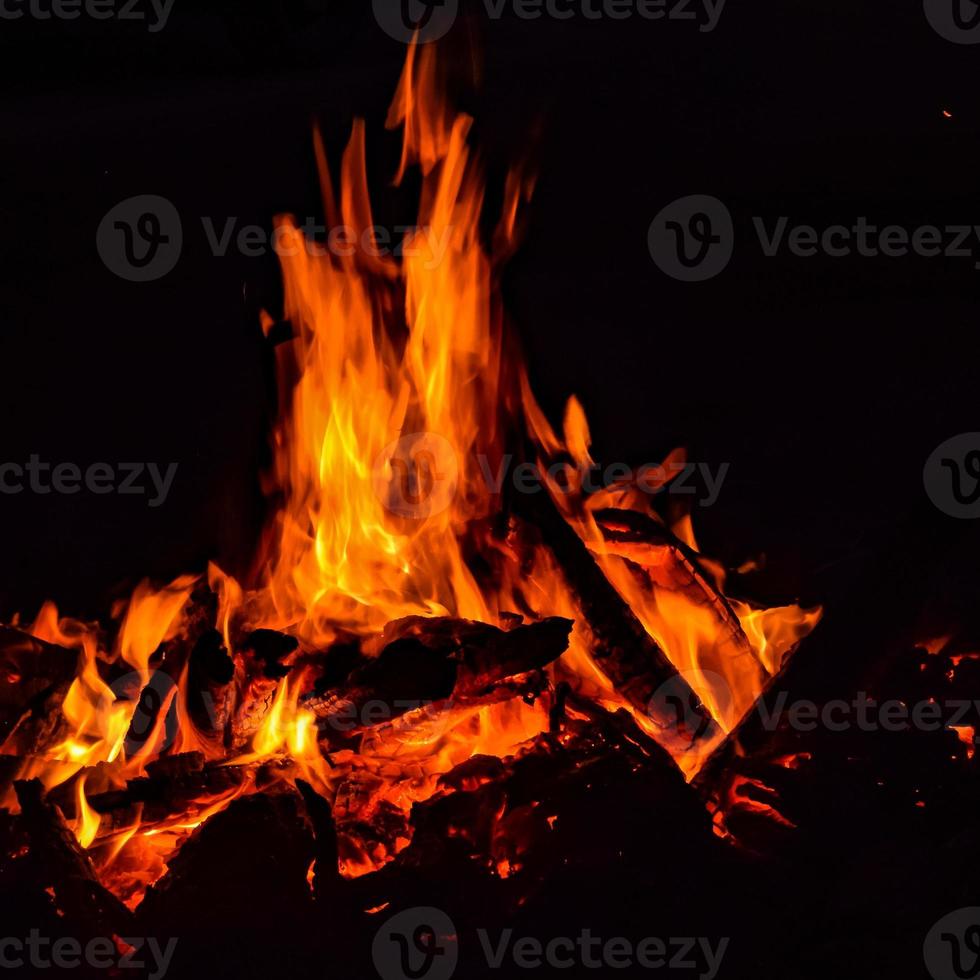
(394, 378)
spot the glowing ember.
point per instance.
(967, 735)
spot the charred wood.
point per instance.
(61, 865)
(34, 678)
(632, 660)
(437, 665)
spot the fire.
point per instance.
(400, 392)
(87, 822)
(725, 649)
(395, 380)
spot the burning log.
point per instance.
(727, 666)
(669, 563)
(34, 678)
(369, 827)
(632, 660)
(61, 865)
(210, 696)
(483, 655)
(222, 852)
(172, 788)
(258, 671)
(242, 870)
(326, 876)
(568, 801)
(227, 698)
(190, 651)
(42, 724)
(439, 664)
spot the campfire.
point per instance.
(423, 658)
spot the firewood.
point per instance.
(258, 671)
(170, 789)
(407, 670)
(663, 565)
(484, 653)
(42, 725)
(62, 865)
(431, 720)
(556, 714)
(632, 660)
(368, 825)
(34, 678)
(210, 695)
(669, 563)
(438, 664)
(241, 876)
(270, 648)
(327, 882)
(497, 830)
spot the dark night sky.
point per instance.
(825, 383)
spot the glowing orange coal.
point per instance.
(399, 393)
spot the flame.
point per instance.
(87, 820)
(400, 394)
(728, 667)
(150, 619)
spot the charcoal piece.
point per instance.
(60, 864)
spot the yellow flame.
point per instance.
(86, 819)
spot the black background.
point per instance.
(824, 383)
